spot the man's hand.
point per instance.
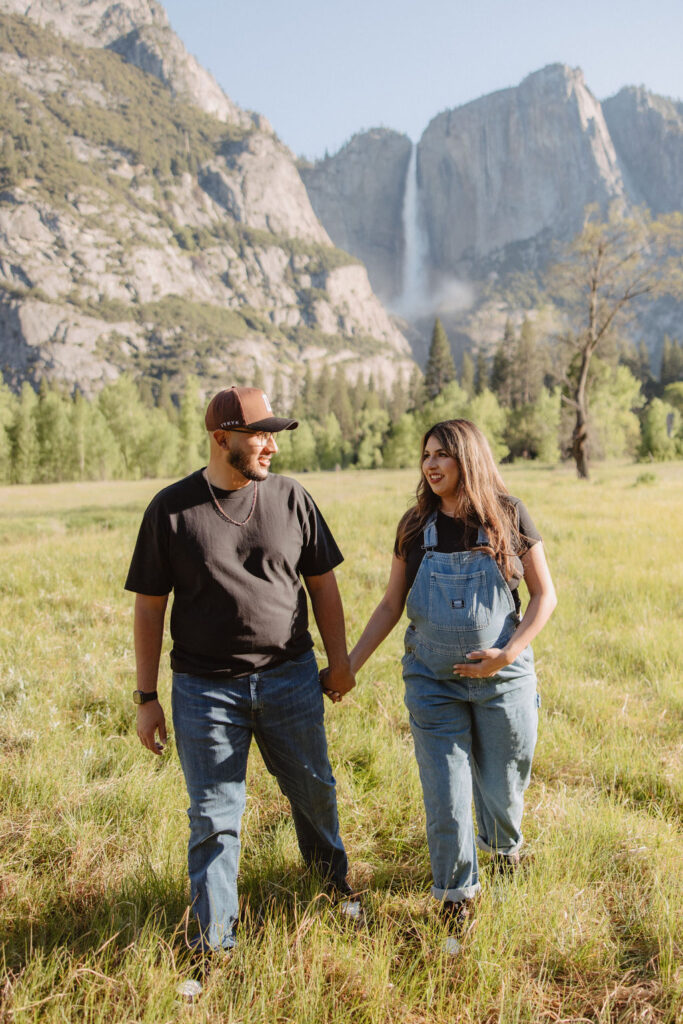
(336, 682)
(150, 721)
(488, 663)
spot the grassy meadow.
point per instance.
(93, 828)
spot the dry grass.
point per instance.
(93, 890)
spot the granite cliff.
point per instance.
(647, 132)
(359, 193)
(503, 176)
(147, 223)
(498, 182)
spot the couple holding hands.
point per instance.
(234, 543)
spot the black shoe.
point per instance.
(505, 864)
(460, 918)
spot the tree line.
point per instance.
(141, 428)
(584, 391)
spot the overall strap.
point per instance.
(482, 537)
(429, 536)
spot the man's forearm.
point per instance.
(149, 634)
(329, 616)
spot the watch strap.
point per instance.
(143, 697)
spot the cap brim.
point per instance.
(272, 424)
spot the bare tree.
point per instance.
(603, 276)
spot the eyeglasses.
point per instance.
(261, 436)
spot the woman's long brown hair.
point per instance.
(482, 495)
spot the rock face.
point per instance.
(137, 232)
(502, 177)
(514, 170)
(499, 181)
(358, 195)
(140, 32)
(647, 132)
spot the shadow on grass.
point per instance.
(86, 920)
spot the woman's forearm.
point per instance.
(537, 613)
(380, 624)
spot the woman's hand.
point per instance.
(487, 663)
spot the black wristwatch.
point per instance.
(141, 697)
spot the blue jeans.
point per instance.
(214, 721)
(473, 738)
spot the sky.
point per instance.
(321, 70)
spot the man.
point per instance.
(232, 542)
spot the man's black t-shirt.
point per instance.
(456, 535)
(239, 605)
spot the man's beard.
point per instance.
(240, 462)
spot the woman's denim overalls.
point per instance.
(473, 737)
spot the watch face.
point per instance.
(140, 697)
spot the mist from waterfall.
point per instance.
(414, 299)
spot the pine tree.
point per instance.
(8, 409)
(146, 393)
(278, 398)
(398, 403)
(303, 454)
(481, 375)
(644, 369)
(165, 400)
(322, 398)
(671, 368)
(440, 369)
(23, 439)
(193, 440)
(501, 369)
(358, 396)
(340, 404)
(467, 376)
(79, 434)
(119, 403)
(329, 443)
(417, 394)
(303, 407)
(527, 371)
(54, 436)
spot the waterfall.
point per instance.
(414, 297)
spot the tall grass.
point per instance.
(93, 884)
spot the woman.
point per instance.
(460, 553)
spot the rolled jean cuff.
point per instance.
(483, 845)
(466, 892)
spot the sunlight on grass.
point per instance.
(92, 860)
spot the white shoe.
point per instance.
(189, 990)
(351, 909)
(451, 945)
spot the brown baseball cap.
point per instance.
(244, 408)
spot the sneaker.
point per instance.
(459, 918)
(345, 900)
(190, 990)
(351, 909)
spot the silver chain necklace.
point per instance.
(224, 514)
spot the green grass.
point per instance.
(93, 889)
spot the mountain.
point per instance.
(490, 189)
(149, 224)
(359, 193)
(647, 132)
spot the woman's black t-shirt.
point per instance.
(456, 535)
